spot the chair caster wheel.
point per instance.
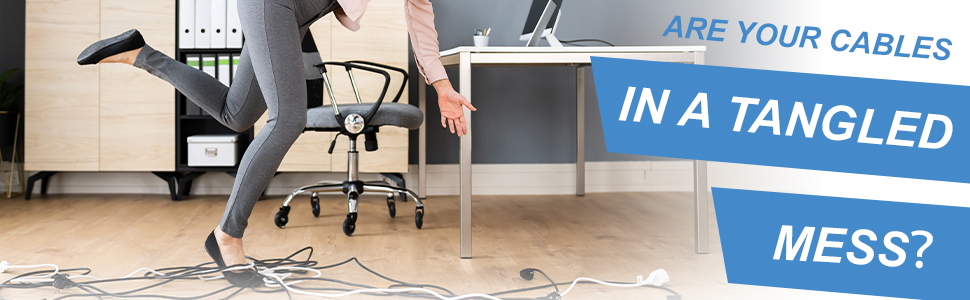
(282, 217)
(419, 217)
(350, 224)
(391, 208)
(315, 206)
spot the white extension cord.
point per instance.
(656, 278)
(271, 272)
(6, 266)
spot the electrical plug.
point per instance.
(656, 278)
(4, 266)
(551, 296)
(62, 282)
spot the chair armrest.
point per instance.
(349, 66)
(392, 68)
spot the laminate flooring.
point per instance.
(607, 236)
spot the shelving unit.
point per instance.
(180, 181)
(189, 125)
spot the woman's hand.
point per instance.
(450, 103)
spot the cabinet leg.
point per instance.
(44, 183)
(171, 178)
(185, 188)
(185, 182)
(44, 178)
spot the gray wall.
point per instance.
(528, 115)
(12, 37)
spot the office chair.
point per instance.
(353, 120)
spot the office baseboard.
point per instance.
(490, 179)
(551, 179)
(559, 179)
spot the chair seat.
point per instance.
(393, 114)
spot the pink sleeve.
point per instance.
(424, 39)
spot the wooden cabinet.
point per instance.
(137, 113)
(103, 117)
(61, 99)
(382, 38)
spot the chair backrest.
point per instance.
(349, 66)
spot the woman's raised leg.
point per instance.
(238, 106)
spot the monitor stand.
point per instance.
(553, 41)
(547, 35)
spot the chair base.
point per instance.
(353, 190)
(353, 187)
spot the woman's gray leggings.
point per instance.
(270, 76)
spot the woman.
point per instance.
(270, 77)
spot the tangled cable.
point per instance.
(280, 275)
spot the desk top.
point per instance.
(620, 49)
(564, 56)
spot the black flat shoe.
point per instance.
(127, 41)
(248, 278)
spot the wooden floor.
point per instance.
(609, 236)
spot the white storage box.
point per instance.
(213, 150)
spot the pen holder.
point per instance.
(481, 40)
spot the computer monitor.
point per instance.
(542, 22)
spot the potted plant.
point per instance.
(9, 94)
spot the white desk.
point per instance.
(467, 57)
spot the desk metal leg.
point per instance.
(701, 239)
(465, 160)
(580, 131)
(700, 193)
(422, 139)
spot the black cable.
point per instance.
(179, 273)
(586, 40)
(362, 266)
(90, 292)
(550, 279)
(87, 271)
(24, 285)
(275, 262)
(143, 288)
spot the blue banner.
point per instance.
(843, 245)
(807, 121)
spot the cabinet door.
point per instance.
(136, 112)
(309, 152)
(382, 38)
(61, 98)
